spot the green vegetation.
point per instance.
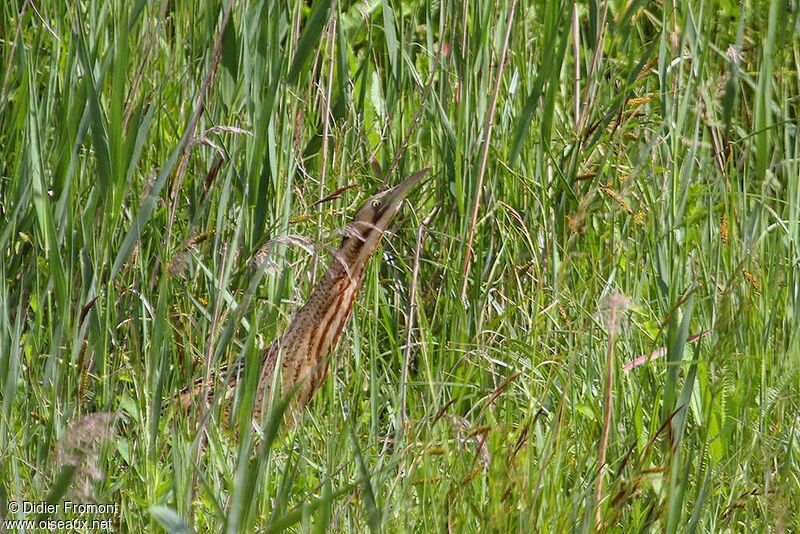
(624, 188)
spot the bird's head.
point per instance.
(364, 233)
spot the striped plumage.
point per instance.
(311, 337)
(304, 348)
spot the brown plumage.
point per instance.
(304, 348)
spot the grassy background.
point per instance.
(627, 174)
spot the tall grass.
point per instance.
(622, 150)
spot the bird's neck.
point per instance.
(323, 317)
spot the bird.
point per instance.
(304, 348)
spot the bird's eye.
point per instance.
(376, 204)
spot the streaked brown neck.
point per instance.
(317, 326)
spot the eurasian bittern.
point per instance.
(315, 329)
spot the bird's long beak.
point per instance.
(396, 195)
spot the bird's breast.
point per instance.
(314, 335)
